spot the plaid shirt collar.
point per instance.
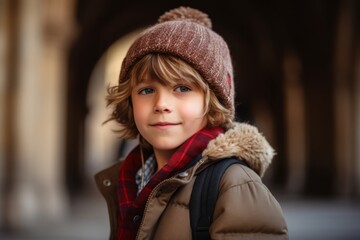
(149, 170)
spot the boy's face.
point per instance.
(166, 116)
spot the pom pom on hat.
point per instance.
(186, 33)
(187, 13)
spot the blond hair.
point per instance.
(168, 70)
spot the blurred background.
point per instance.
(297, 70)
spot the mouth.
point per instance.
(163, 125)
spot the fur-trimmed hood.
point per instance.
(245, 142)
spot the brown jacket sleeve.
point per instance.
(246, 209)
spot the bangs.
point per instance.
(166, 69)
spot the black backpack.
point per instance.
(204, 196)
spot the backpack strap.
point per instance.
(204, 196)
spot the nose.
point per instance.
(162, 103)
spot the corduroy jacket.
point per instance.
(245, 208)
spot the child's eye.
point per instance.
(146, 91)
(182, 89)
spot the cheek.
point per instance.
(138, 111)
(193, 109)
(139, 115)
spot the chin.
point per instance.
(165, 147)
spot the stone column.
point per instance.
(45, 28)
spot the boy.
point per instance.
(176, 93)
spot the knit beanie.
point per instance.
(186, 33)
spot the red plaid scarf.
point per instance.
(130, 204)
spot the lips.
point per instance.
(163, 125)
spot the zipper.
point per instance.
(150, 197)
(199, 163)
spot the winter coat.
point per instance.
(245, 208)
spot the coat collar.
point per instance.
(243, 141)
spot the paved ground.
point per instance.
(320, 220)
(307, 220)
(87, 220)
